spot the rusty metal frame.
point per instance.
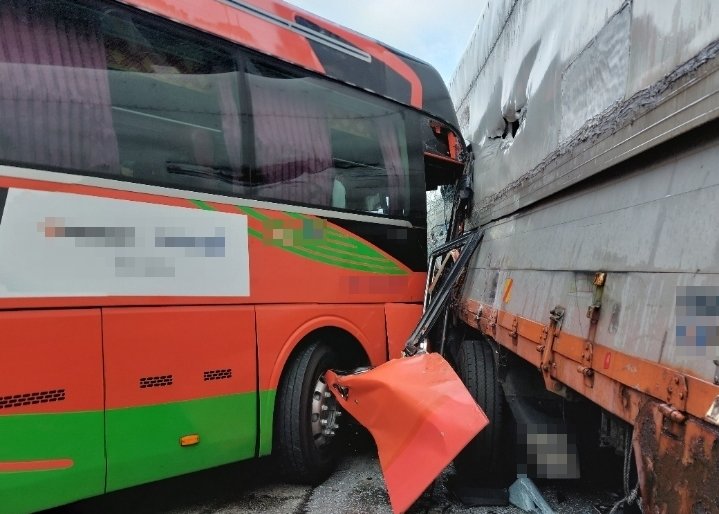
(677, 463)
(620, 383)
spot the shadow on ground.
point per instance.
(253, 486)
(356, 487)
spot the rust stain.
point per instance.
(678, 463)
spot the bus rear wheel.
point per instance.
(307, 416)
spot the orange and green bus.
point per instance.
(204, 205)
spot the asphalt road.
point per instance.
(356, 487)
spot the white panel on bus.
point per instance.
(61, 244)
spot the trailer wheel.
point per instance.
(484, 457)
(306, 416)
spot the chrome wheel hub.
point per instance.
(325, 413)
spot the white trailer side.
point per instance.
(596, 180)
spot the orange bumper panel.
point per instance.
(420, 415)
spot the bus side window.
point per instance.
(293, 155)
(370, 168)
(175, 105)
(111, 92)
(320, 144)
(54, 98)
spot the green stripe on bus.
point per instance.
(337, 249)
(359, 252)
(267, 413)
(143, 443)
(389, 269)
(343, 243)
(203, 205)
(75, 436)
(254, 213)
(322, 252)
(359, 246)
(325, 255)
(333, 248)
(348, 246)
(343, 251)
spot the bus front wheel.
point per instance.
(307, 416)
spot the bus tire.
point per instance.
(297, 446)
(485, 456)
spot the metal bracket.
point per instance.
(548, 366)
(585, 368)
(593, 312)
(543, 339)
(672, 413)
(556, 316)
(478, 315)
(514, 334)
(493, 321)
(600, 278)
(677, 391)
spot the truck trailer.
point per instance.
(589, 315)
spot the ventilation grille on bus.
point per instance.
(20, 400)
(218, 374)
(160, 381)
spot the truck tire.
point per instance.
(484, 457)
(304, 448)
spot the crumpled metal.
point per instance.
(420, 415)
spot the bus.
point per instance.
(203, 207)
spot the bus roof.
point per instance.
(299, 37)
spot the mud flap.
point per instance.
(420, 415)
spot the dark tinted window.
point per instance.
(175, 106)
(107, 92)
(322, 144)
(55, 107)
(116, 92)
